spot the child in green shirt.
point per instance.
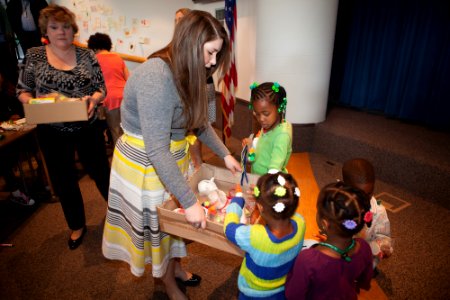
(270, 150)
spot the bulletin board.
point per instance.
(137, 28)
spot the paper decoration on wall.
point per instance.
(121, 22)
(97, 23)
(144, 40)
(131, 47)
(112, 24)
(107, 10)
(130, 36)
(145, 22)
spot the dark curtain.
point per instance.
(393, 57)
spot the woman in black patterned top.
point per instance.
(73, 72)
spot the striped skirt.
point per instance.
(132, 232)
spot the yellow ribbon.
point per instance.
(133, 140)
(190, 141)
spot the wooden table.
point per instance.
(23, 140)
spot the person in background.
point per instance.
(271, 149)
(163, 99)
(271, 249)
(7, 47)
(74, 72)
(340, 266)
(180, 13)
(11, 108)
(195, 148)
(23, 16)
(116, 74)
(359, 172)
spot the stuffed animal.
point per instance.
(217, 201)
(216, 197)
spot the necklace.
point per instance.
(343, 253)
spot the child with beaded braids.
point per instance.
(270, 249)
(271, 149)
(337, 268)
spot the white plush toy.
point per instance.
(216, 196)
(209, 189)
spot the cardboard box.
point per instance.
(65, 111)
(175, 223)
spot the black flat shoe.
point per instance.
(193, 281)
(73, 244)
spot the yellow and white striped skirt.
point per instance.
(132, 232)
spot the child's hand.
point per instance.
(246, 142)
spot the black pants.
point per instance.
(59, 152)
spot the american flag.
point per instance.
(230, 80)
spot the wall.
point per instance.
(136, 27)
(289, 41)
(294, 46)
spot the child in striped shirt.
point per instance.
(270, 249)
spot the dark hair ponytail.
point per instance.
(345, 207)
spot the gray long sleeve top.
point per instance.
(152, 108)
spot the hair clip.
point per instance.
(282, 106)
(253, 85)
(250, 106)
(279, 207)
(368, 217)
(256, 191)
(349, 224)
(276, 87)
(297, 192)
(280, 191)
(281, 180)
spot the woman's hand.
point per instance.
(195, 215)
(25, 97)
(232, 164)
(91, 104)
(93, 101)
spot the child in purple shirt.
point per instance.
(339, 267)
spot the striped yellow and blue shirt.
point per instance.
(268, 259)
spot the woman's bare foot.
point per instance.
(180, 273)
